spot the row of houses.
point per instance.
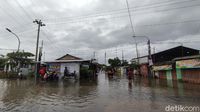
(178, 63)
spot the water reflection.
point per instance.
(106, 94)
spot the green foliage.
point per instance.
(134, 65)
(19, 57)
(124, 63)
(2, 62)
(85, 72)
(114, 62)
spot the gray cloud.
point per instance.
(82, 36)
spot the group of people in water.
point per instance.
(129, 72)
(47, 75)
(53, 75)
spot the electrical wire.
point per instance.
(113, 12)
(86, 19)
(24, 10)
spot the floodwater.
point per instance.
(104, 94)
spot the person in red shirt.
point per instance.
(42, 72)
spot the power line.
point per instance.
(52, 42)
(24, 10)
(119, 11)
(16, 15)
(19, 33)
(10, 15)
(167, 2)
(133, 31)
(129, 13)
(172, 23)
(82, 20)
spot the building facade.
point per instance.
(179, 63)
(71, 62)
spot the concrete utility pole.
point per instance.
(122, 55)
(105, 58)
(40, 24)
(116, 52)
(94, 55)
(130, 18)
(149, 52)
(40, 53)
(149, 45)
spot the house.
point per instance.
(71, 62)
(168, 64)
(168, 55)
(165, 64)
(188, 68)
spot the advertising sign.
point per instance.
(192, 63)
(162, 67)
(54, 67)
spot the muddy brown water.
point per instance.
(116, 94)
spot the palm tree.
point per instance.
(3, 61)
(18, 59)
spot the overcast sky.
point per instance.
(82, 27)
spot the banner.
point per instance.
(54, 67)
(162, 67)
(192, 63)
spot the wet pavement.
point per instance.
(116, 94)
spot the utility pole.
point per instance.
(122, 56)
(149, 52)
(40, 24)
(154, 50)
(105, 58)
(150, 59)
(44, 56)
(94, 54)
(116, 52)
(130, 18)
(40, 53)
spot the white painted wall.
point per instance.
(71, 68)
(143, 60)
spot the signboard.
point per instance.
(192, 63)
(54, 67)
(162, 67)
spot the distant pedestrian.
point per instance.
(20, 74)
(130, 74)
(66, 72)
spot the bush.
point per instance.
(85, 72)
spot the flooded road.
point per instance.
(104, 94)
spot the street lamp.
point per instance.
(15, 36)
(149, 46)
(149, 51)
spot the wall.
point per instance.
(144, 70)
(162, 74)
(174, 75)
(71, 68)
(143, 60)
(191, 75)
